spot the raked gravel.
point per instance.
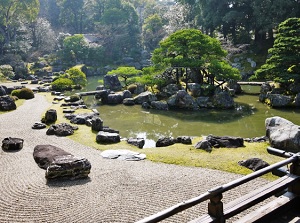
(116, 191)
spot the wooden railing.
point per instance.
(217, 212)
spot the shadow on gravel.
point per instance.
(67, 182)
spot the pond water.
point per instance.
(247, 119)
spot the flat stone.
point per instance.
(123, 155)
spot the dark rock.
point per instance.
(44, 155)
(107, 129)
(170, 89)
(114, 99)
(97, 124)
(123, 155)
(204, 144)
(184, 140)
(7, 103)
(165, 141)
(204, 102)
(3, 90)
(223, 100)
(107, 137)
(254, 164)
(62, 129)
(50, 116)
(112, 82)
(225, 141)
(146, 105)
(126, 94)
(283, 134)
(128, 101)
(195, 89)
(145, 97)
(12, 143)
(160, 105)
(102, 94)
(38, 125)
(139, 142)
(182, 100)
(279, 100)
(68, 167)
(68, 111)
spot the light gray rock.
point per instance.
(146, 96)
(182, 100)
(283, 134)
(223, 100)
(123, 155)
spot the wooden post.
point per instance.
(295, 169)
(215, 208)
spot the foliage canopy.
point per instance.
(284, 64)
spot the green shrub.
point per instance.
(132, 88)
(62, 84)
(74, 98)
(24, 93)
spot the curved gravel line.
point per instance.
(116, 191)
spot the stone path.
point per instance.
(116, 191)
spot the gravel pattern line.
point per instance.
(116, 191)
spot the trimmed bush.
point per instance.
(24, 93)
(74, 98)
(62, 84)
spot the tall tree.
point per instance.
(283, 65)
(72, 15)
(12, 14)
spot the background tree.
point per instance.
(76, 76)
(283, 66)
(12, 14)
(192, 49)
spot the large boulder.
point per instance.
(204, 144)
(223, 100)
(279, 100)
(62, 129)
(44, 155)
(112, 82)
(114, 99)
(68, 167)
(107, 137)
(60, 164)
(7, 103)
(182, 100)
(225, 141)
(146, 96)
(283, 134)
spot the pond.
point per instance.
(247, 119)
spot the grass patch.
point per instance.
(225, 159)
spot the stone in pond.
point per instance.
(123, 155)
